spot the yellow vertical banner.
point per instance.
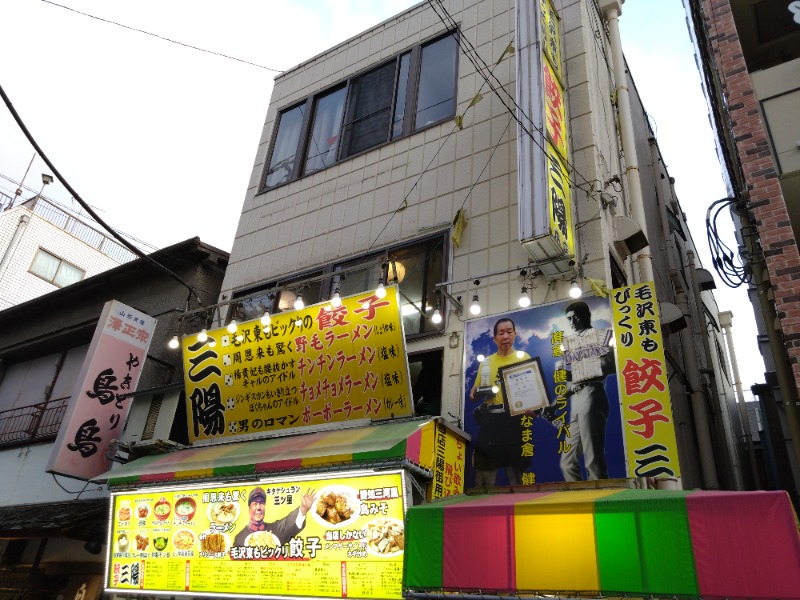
(559, 197)
(550, 34)
(448, 462)
(555, 114)
(649, 431)
(319, 365)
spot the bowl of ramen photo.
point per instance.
(185, 507)
(162, 509)
(222, 513)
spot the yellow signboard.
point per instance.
(319, 365)
(649, 430)
(559, 199)
(551, 44)
(334, 538)
(448, 462)
(554, 110)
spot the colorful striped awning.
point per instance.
(408, 440)
(606, 542)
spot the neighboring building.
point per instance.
(44, 247)
(52, 529)
(750, 57)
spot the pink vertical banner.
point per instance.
(99, 402)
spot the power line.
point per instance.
(166, 39)
(86, 206)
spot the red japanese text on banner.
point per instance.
(644, 389)
(99, 402)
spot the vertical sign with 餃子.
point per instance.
(99, 402)
(319, 365)
(644, 389)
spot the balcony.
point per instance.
(34, 423)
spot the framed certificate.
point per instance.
(523, 386)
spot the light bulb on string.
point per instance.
(436, 317)
(524, 299)
(265, 318)
(475, 307)
(174, 342)
(202, 336)
(298, 303)
(380, 291)
(575, 290)
(336, 299)
(480, 358)
(232, 326)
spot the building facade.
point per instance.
(45, 248)
(53, 528)
(749, 57)
(396, 156)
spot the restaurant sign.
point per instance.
(99, 403)
(315, 366)
(335, 538)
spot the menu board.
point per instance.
(337, 538)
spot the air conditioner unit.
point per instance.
(150, 422)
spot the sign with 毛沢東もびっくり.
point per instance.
(334, 538)
(652, 449)
(319, 365)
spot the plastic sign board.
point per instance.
(448, 464)
(543, 185)
(99, 403)
(579, 435)
(309, 367)
(252, 540)
(644, 388)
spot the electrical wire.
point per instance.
(86, 206)
(247, 62)
(722, 257)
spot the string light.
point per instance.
(174, 342)
(380, 291)
(436, 317)
(232, 326)
(202, 336)
(480, 358)
(475, 307)
(524, 299)
(298, 303)
(336, 299)
(575, 290)
(265, 318)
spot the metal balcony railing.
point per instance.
(34, 423)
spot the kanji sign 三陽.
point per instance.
(310, 367)
(559, 199)
(99, 401)
(644, 390)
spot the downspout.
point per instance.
(697, 400)
(703, 331)
(612, 9)
(12, 245)
(726, 321)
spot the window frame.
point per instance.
(327, 280)
(61, 262)
(410, 101)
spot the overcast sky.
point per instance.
(160, 138)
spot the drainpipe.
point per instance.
(612, 9)
(12, 246)
(691, 363)
(703, 331)
(726, 321)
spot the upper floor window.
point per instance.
(53, 269)
(408, 93)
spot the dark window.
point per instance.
(324, 139)
(366, 111)
(436, 98)
(284, 149)
(425, 370)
